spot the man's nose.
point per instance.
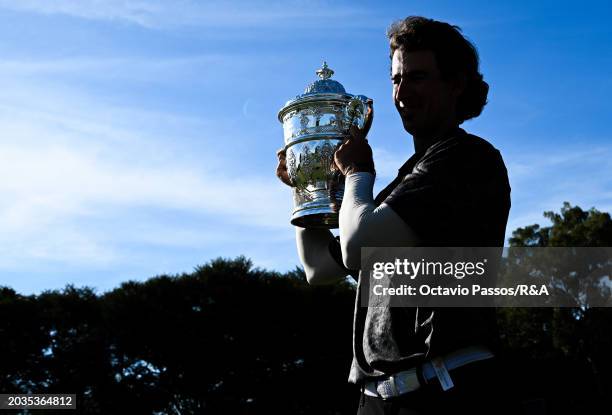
(401, 93)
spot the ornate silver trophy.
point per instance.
(315, 123)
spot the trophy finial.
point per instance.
(325, 72)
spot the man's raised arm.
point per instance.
(362, 224)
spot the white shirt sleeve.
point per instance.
(313, 249)
(362, 224)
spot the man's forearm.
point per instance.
(313, 249)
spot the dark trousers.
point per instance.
(479, 389)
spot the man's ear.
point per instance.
(459, 84)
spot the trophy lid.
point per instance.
(324, 85)
(323, 89)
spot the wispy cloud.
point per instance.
(129, 68)
(172, 13)
(145, 13)
(542, 181)
(67, 162)
(54, 179)
(525, 166)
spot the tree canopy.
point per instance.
(564, 344)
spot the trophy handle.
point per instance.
(359, 111)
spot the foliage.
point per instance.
(564, 344)
(229, 338)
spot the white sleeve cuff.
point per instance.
(358, 188)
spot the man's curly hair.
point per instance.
(456, 57)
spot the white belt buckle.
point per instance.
(387, 388)
(398, 384)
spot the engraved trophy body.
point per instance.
(315, 123)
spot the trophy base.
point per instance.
(318, 218)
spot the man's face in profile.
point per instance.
(424, 101)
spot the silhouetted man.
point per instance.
(453, 191)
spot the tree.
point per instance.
(227, 338)
(567, 343)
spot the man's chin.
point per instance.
(410, 127)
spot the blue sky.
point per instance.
(138, 137)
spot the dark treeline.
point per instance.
(233, 339)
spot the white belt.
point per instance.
(408, 381)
